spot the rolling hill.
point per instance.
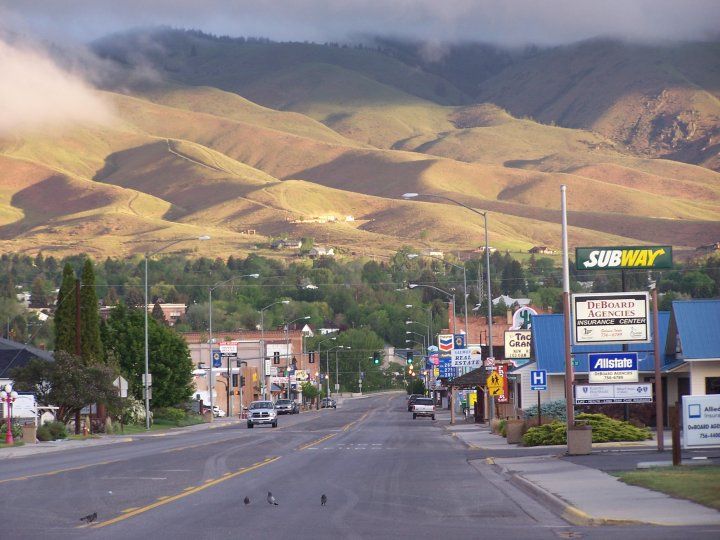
(250, 140)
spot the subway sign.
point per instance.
(623, 257)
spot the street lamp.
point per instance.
(487, 264)
(210, 344)
(327, 361)
(424, 343)
(464, 271)
(146, 383)
(451, 296)
(262, 339)
(287, 348)
(8, 395)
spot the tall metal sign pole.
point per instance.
(569, 375)
(659, 422)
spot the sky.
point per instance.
(502, 22)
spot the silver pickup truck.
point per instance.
(423, 407)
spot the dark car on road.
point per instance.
(328, 403)
(411, 400)
(286, 406)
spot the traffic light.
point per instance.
(276, 357)
(410, 357)
(311, 357)
(242, 380)
(376, 358)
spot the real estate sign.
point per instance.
(621, 257)
(611, 318)
(613, 367)
(465, 358)
(597, 394)
(701, 421)
(517, 343)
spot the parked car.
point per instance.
(218, 412)
(412, 399)
(286, 406)
(423, 406)
(328, 403)
(261, 412)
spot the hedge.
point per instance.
(604, 429)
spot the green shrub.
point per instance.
(43, 433)
(16, 430)
(169, 414)
(604, 429)
(554, 409)
(57, 430)
(502, 428)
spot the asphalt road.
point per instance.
(385, 476)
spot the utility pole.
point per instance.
(78, 344)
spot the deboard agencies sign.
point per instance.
(611, 318)
(621, 257)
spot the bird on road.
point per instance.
(271, 499)
(246, 500)
(323, 500)
(89, 518)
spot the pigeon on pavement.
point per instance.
(89, 518)
(246, 500)
(323, 499)
(271, 499)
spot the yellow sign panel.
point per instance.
(495, 384)
(472, 398)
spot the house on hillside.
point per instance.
(542, 250)
(709, 248)
(284, 243)
(319, 251)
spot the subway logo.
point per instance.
(621, 257)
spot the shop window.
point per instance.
(712, 385)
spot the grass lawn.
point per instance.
(699, 484)
(159, 425)
(17, 443)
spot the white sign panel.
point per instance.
(122, 385)
(278, 380)
(228, 348)
(701, 421)
(613, 367)
(273, 371)
(597, 394)
(611, 318)
(517, 344)
(521, 318)
(465, 358)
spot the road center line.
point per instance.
(183, 494)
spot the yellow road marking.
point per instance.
(317, 441)
(181, 495)
(58, 471)
(130, 509)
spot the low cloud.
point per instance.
(37, 94)
(502, 22)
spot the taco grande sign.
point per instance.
(623, 257)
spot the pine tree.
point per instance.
(65, 313)
(158, 314)
(38, 293)
(91, 345)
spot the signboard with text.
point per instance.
(613, 367)
(228, 348)
(501, 370)
(611, 318)
(623, 257)
(517, 343)
(598, 394)
(701, 421)
(464, 358)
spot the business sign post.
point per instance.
(613, 367)
(599, 394)
(517, 343)
(701, 421)
(611, 318)
(623, 257)
(465, 359)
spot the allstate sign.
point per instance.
(613, 367)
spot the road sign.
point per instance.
(517, 343)
(122, 385)
(613, 367)
(228, 348)
(701, 420)
(538, 379)
(149, 379)
(619, 258)
(597, 394)
(495, 384)
(489, 361)
(611, 318)
(521, 318)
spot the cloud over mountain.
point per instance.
(503, 22)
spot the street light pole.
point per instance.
(487, 264)
(287, 348)
(210, 341)
(146, 383)
(327, 362)
(262, 339)
(450, 296)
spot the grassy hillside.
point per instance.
(247, 141)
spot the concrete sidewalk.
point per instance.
(60, 445)
(586, 496)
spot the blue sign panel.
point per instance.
(538, 379)
(613, 367)
(216, 358)
(459, 341)
(445, 368)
